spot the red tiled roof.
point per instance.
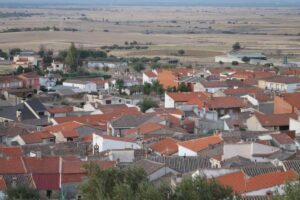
(186, 96)
(214, 84)
(150, 74)
(46, 181)
(275, 119)
(283, 138)
(225, 102)
(240, 184)
(144, 128)
(36, 137)
(11, 151)
(60, 109)
(108, 137)
(2, 184)
(292, 99)
(12, 166)
(43, 165)
(166, 146)
(200, 144)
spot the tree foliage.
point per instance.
(22, 192)
(72, 58)
(119, 85)
(138, 66)
(147, 103)
(291, 190)
(181, 52)
(132, 184)
(183, 88)
(236, 46)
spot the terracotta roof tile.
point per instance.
(150, 74)
(283, 138)
(43, 165)
(166, 146)
(225, 102)
(241, 184)
(2, 184)
(46, 181)
(186, 96)
(292, 99)
(12, 166)
(200, 144)
(275, 119)
(60, 109)
(11, 151)
(144, 128)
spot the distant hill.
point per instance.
(252, 3)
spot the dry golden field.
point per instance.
(202, 32)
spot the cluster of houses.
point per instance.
(239, 126)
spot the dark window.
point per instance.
(49, 192)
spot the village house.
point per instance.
(280, 83)
(106, 142)
(200, 146)
(261, 122)
(154, 170)
(284, 141)
(170, 77)
(165, 147)
(56, 66)
(25, 59)
(30, 80)
(261, 185)
(256, 152)
(210, 86)
(149, 76)
(83, 85)
(10, 82)
(287, 103)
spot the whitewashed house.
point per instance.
(56, 66)
(85, 86)
(105, 142)
(150, 76)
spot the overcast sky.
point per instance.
(168, 2)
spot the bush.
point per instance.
(235, 63)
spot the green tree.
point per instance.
(15, 51)
(72, 58)
(3, 54)
(105, 68)
(147, 103)
(236, 46)
(119, 85)
(20, 70)
(235, 63)
(22, 192)
(138, 66)
(291, 190)
(183, 88)
(246, 59)
(201, 189)
(181, 52)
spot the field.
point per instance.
(202, 32)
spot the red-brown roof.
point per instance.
(200, 144)
(186, 96)
(214, 84)
(275, 119)
(12, 166)
(109, 137)
(225, 102)
(2, 184)
(150, 74)
(241, 184)
(11, 151)
(292, 99)
(144, 128)
(36, 137)
(43, 165)
(60, 109)
(46, 181)
(283, 138)
(166, 146)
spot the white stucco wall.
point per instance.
(182, 151)
(169, 102)
(108, 144)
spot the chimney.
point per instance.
(14, 182)
(19, 115)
